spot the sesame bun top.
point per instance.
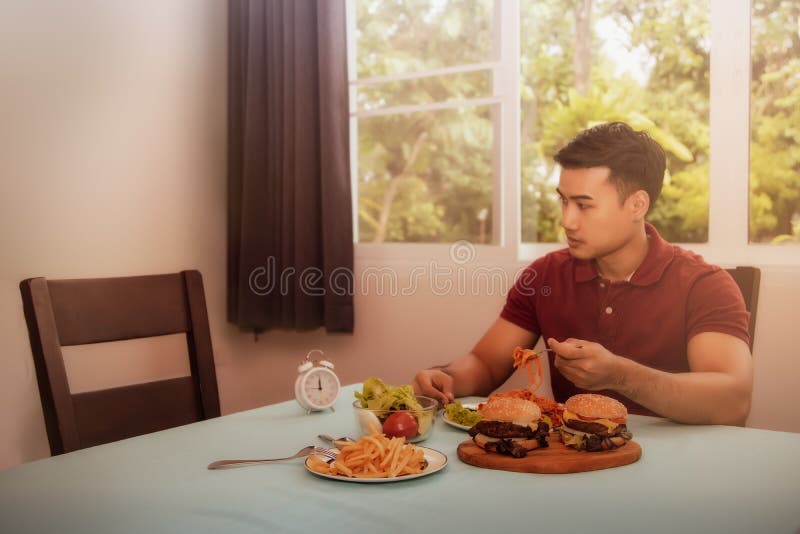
(596, 406)
(517, 411)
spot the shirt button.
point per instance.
(602, 284)
(609, 310)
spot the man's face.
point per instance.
(596, 223)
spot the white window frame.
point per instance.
(505, 98)
(728, 242)
(729, 187)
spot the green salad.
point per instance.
(377, 395)
(384, 399)
(463, 416)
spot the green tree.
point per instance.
(775, 121)
(427, 175)
(671, 104)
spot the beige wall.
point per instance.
(112, 133)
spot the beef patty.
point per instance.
(594, 428)
(502, 429)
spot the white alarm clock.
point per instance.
(317, 387)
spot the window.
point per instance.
(775, 122)
(643, 62)
(458, 106)
(426, 116)
(426, 175)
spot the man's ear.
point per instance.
(639, 202)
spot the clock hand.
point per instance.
(319, 383)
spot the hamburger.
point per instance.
(510, 426)
(594, 423)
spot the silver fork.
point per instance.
(305, 451)
(326, 437)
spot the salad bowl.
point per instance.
(395, 411)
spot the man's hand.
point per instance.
(434, 383)
(586, 364)
(480, 371)
(717, 389)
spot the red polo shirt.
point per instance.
(672, 296)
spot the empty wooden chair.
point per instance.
(76, 312)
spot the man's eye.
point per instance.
(583, 206)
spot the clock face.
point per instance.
(320, 388)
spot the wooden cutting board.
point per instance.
(557, 458)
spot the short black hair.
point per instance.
(635, 159)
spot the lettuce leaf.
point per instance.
(377, 395)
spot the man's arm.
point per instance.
(482, 370)
(717, 390)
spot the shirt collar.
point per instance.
(659, 256)
(585, 271)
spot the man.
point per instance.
(624, 312)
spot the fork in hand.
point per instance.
(305, 451)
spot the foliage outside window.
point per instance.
(426, 110)
(775, 122)
(425, 145)
(643, 62)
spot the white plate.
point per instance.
(436, 462)
(468, 406)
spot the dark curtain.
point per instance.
(290, 235)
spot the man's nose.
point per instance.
(569, 220)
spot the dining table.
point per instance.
(690, 478)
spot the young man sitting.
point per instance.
(626, 314)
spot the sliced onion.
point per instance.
(575, 432)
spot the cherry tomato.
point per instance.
(401, 424)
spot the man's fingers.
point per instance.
(441, 397)
(570, 370)
(565, 367)
(434, 383)
(444, 384)
(564, 363)
(577, 343)
(566, 349)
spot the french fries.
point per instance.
(374, 456)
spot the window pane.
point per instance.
(775, 122)
(403, 36)
(426, 176)
(645, 62)
(425, 90)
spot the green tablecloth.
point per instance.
(690, 479)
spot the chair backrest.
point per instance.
(749, 280)
(76, 312)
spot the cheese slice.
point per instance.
(605, 422)
(573, 438)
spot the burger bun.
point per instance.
(518, 411)
(596, 406)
